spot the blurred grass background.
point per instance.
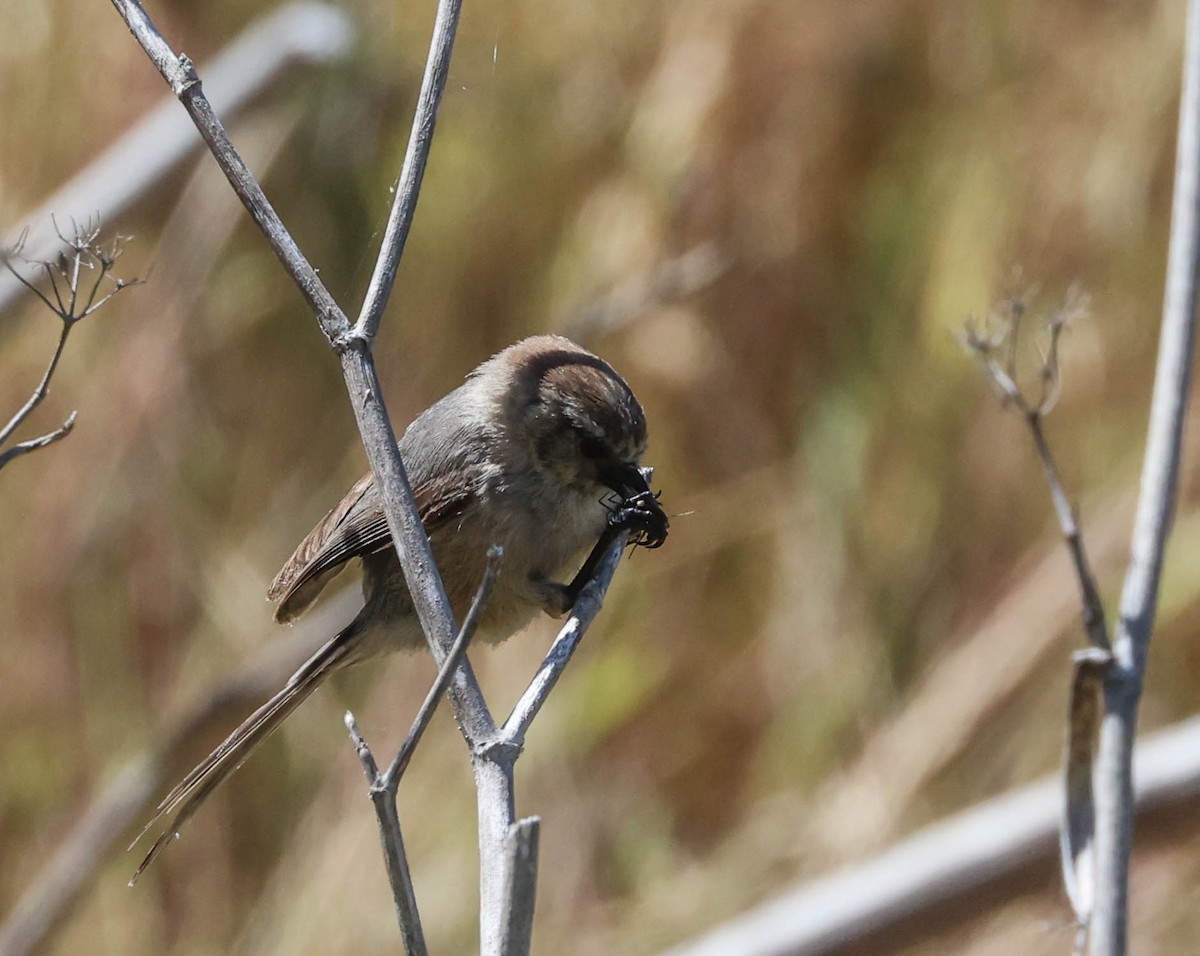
(863, 617)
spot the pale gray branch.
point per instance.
(395, 860)
(1095, 625)
(404, 207)
(492, 755)
(404, 521)
(1156, 503)
(383, 787)
(587, 606)
(522, 852)
(449, 666)
(940, 875)
(1077, 833)
(362, 382)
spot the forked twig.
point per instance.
(384, 787)
(492, 755)
(1077, 830)
(75, 278)
(995, 343)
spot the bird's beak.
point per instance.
(625, 479)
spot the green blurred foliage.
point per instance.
(851, 507)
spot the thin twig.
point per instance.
(85, 255)
(55, 307)
(41, 391)
(494, 762)
(1156, 503)
(394, 858)
(379, 438)
(383, 787)
(587, 606)
(1077, 829)
(399, 505)
(391, 779)
(1095, 624)
(404, 207)
(33, 444)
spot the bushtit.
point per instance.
(537, 451)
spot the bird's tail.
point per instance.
(214, 769)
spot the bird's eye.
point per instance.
(591, 446)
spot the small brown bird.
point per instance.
(539, 451)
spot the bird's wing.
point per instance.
(443, 452)
(345, 531)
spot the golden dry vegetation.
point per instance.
(862, 619)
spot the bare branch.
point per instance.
(394, 857)
(939, 876)
(587, 606)
(1111, 786)
(56, 306)
(383, 787)
(1091, 606)
(85, 255)
(41, 391)
(33, 444)
(404, 521)
(391, 779)
(1077, 829)
(437, 66)
(1156, 503)
(521, 889)
(362, 381)
(54, 272)
(492, 755)
(1006, 327)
